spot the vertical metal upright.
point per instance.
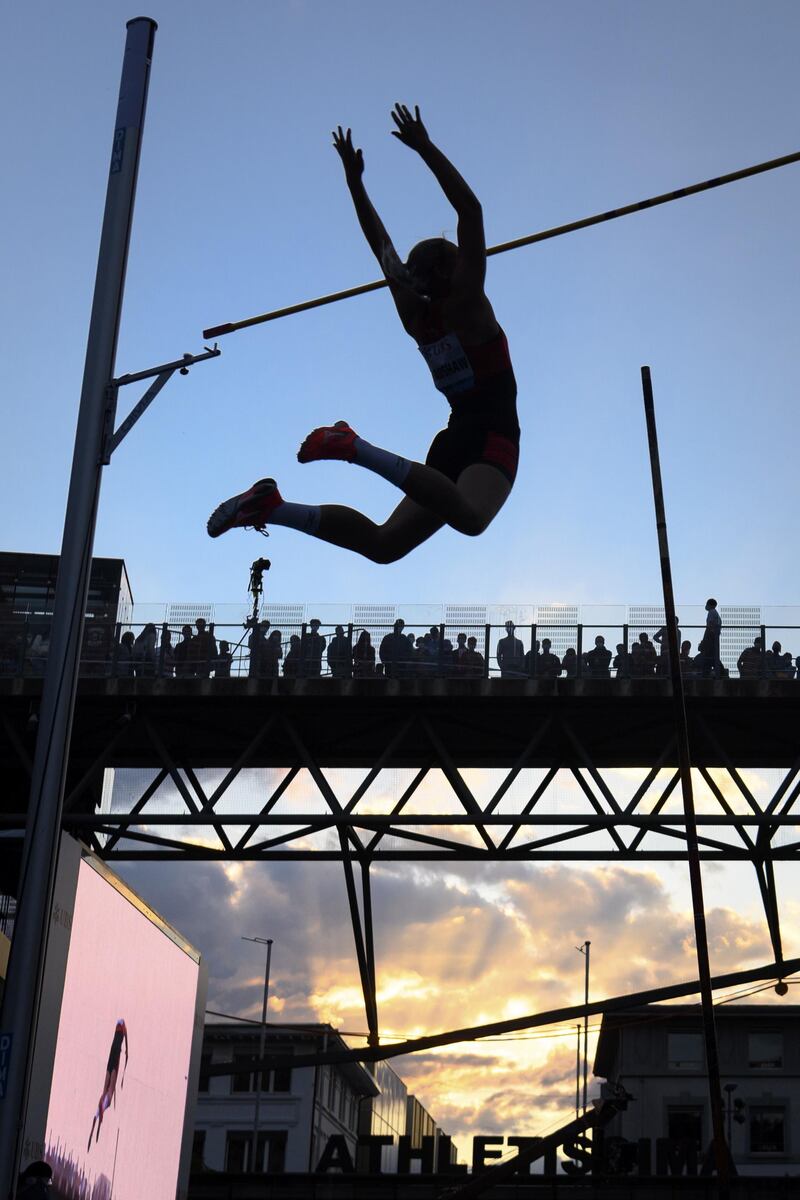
(721, 1150)
(95, 419)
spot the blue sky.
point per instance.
(552, 112)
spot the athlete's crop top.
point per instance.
(457, 369)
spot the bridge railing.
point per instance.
(311, 650)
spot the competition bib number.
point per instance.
(449, 365)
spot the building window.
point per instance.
(767, 1129)
(270, 1152)
(198, 1150)
(685, 1051)
(243, 1080)
(765, 1051)
(281, 1080)
(205, 1063)
(685, 1123)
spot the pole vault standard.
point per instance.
(529, 240)
(95, 440)
(721, 1149)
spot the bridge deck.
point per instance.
(482, 723)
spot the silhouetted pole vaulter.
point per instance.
(721, 1149)
(95, 441)
(439, 295)
(543, 236)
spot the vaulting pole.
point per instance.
(40, 856)
(721, 1152)
(557, 231)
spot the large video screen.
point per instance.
(118, 1095)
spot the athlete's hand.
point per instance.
(352, 159)
(410, 130)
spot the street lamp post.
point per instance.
(584, 950)
(254, 1147)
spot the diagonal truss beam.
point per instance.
(557, 1016)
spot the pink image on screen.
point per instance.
(126, 982)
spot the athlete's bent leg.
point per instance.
(467, 506)
(406, 528)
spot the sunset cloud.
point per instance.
(456, 946)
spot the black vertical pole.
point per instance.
(95, 417)
(685, 767)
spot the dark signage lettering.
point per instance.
(607, 1156)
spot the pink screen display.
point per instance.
(115, 1120)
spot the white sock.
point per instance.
(304, 517)
(389, 466)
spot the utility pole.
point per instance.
(42, 834)
(254, 1146)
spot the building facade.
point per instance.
(657, 1053)
(299, 1110)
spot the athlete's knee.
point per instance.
(385, 553)
(470, 523)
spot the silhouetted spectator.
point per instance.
(779, 665)
(472, 661)
(222, 663)
(312, 649)
(144, 652)
(711, 640)
(182, 654)
(394, 652)
(598, 660)
(751, 661)
(35, 1182)
(530, 661)
(272, 653)
(685, 659)
(621, 663)
(569, 663)
(433, 650)
(165, 656)
(459, 650)
(339, 661)
(125, 656)
(446, 656)
(420, 662)
(643, 657)
(662, 666)
(291, 663)
(363, 656)
(510, 654)
(203, 649)
(256, 643)
(548, 665)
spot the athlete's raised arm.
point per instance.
(373, 227)
(471, 238)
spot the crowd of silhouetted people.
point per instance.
(264, 652)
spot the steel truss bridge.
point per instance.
(439, 770)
